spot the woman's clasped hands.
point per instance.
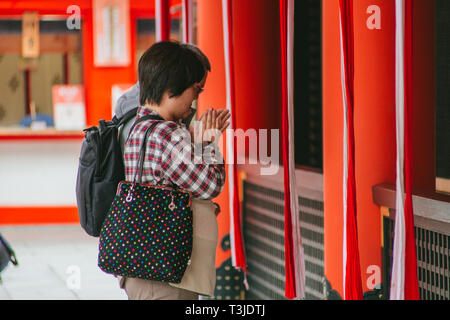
(210, 126)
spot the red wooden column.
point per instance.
(210, 41)
(257, 74)
(375, 142)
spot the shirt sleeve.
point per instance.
(198, 170)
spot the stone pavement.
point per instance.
(56, 262)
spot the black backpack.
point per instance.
(100, 170)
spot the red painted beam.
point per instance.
(38, 215)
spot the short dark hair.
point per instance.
(168, 65)
(203, 58)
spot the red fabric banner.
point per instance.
(411, 282)
(352, 280)
(162, 20)
(187, 21)
(290, 290)
(238, 254)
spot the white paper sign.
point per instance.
(68, 107)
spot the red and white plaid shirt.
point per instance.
(204, 179)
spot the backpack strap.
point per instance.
(140, 162)
(127, 116)
(144, 118)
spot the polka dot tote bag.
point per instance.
(147, 232)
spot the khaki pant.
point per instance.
(141, 289)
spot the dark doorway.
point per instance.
(308, 83)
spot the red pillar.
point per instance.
(257, 71)
(210, 41)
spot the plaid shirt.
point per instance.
(204, 179)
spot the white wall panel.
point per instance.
(38, 173)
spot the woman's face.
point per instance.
(180, 107)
